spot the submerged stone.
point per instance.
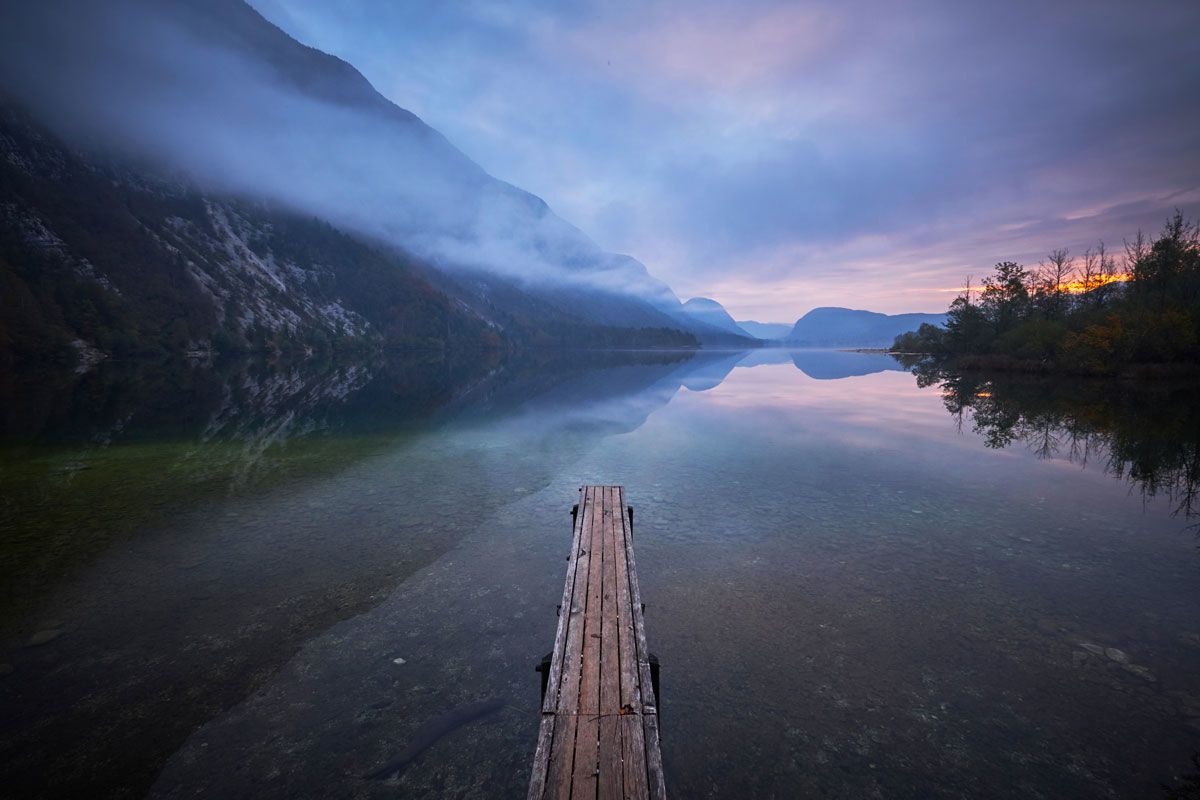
(1120, 656)
(42, 637)
(1142, 672)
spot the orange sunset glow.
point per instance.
(1095, 282)
(1077, 286)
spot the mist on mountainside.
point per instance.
(213, 92)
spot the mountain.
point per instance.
(768, 331)
(100, 259)
(708, 312)
(189, 162)
(844, 327)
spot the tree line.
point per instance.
(1099, 313)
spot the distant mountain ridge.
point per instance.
(845, 327)
(709, 312)
(768, 331)
(828, 326)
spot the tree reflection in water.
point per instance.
(1145, 433)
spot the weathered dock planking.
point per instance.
(599, 734)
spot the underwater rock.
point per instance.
(42, 637)
(1119, 656)
(1140, 671)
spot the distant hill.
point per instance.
(769, 331)
(845, 327)
(709, 312)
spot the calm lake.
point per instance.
(251, 581)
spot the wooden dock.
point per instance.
(599, 735)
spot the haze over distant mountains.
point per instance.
(820, 327)
(766, 330)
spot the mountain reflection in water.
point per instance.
(225, 500)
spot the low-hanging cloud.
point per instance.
(212, 91)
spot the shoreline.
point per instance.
(1000, 363)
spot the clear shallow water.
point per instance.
(851, 593)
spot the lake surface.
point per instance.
(252, 581)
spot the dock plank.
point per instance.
(611, 776)
(656, 784)
(564, 702)
(589, 685)
(633, 742)
(553, 683)
(587, 736)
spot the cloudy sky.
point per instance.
(781, 156)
